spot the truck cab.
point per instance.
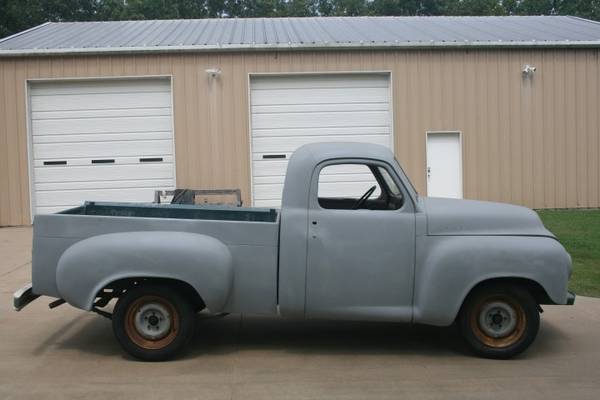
(336, 238)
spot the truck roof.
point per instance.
(304, 159)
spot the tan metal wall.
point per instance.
(525, 141)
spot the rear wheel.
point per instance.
(499, 321)
(152, 322)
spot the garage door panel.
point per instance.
(268, 191)
(269, 168)
(319, 96)
(261, 180)
(289, 145)
(112, 137)
(112, 112)
(348, 175)
(333, 132)
(103, 172)
(75, 86)
(100, 125)
(275, 203)
(99, 101)
(320, 81)
(141, 148)
(334, 107)
(345, 174)
(87, 161)
(353, 189)
(74, 197)
(123, 184)
(319, 119)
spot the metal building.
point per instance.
(492, 108)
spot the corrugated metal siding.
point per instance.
(531, 142)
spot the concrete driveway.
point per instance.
(67, 353)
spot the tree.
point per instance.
(18, 15)
(407, 7)
(581, 8)
(475, 7)
(535, 7)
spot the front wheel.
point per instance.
(499, 321)
(153, 323)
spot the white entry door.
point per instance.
(444, 165)
(100, 140)
(291, 110)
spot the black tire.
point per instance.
(153, 322)
(486, 321)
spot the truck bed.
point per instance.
(251, 234)
(178, 211)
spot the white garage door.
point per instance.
(105, 140)
(289, 111)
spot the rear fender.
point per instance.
(91, 264)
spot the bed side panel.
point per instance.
(253, 247)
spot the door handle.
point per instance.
(313, 231)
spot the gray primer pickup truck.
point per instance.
(388, 255)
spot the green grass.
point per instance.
(579, 232)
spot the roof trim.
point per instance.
(582, 19)
(303, 46)
(14, 35)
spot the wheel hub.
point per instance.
(153, 321)
(498, 319)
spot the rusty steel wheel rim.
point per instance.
(151, 322)
(498, 322)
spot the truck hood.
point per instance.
(469, 217)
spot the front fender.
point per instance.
(452, 265)
(89, 265)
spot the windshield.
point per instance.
(407, 180)
(393, 188)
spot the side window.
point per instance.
(358, 186)
(346, 181)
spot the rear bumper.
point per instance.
(570, 298)
(23, 296)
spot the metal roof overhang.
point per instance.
(303, 47)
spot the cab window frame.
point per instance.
(370, 164)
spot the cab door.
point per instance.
(361, 251)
